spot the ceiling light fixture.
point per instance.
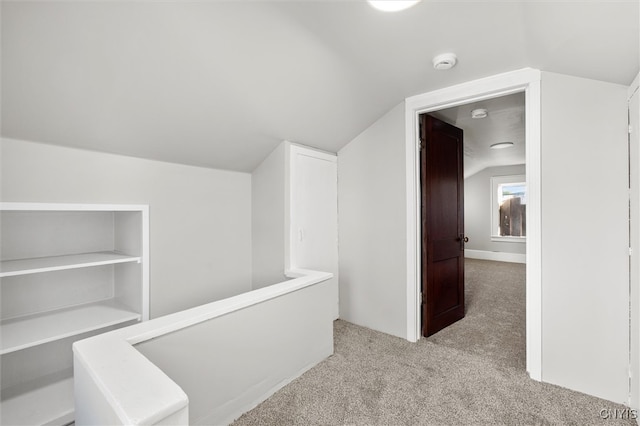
(501, 145)
(445, 61)
(392, 5)
(479, 113)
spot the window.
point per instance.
(508, 208)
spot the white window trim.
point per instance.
(493, 216)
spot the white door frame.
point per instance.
(634, 244)
(526, 80)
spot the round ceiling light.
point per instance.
(479, 113)
(392, 5)
(445, 61)
(501, 145)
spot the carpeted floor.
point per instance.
(472, 373)
(495, 313)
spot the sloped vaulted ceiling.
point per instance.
(221, 83)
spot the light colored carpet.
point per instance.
(495, 313)
(471, 373)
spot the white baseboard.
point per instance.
(495, 255)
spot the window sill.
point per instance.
(498, 238)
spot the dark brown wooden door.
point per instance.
(442, 193)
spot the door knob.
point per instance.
(462, 240)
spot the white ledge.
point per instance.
(508, 239)
(14, 206)
(136, 389)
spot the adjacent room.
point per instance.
(311, 212)
(494, 227)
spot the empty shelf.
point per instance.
(24, 332)
(57, 263)
(52, 403)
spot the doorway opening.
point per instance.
(527, 81)
(480, 229)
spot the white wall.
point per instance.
(229, 364)
(372, 218)
(477, 211)
(200, 219)
(267, 219)
(585, 281)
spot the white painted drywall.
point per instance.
(229, 364)
(477, 211)
(372, 226)
(634, 241)
(585, 229)
(267, 219)
(312, 179)
(200, 219)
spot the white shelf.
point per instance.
(44, 276)
(51, 403)
(10, 268)
(33, 330)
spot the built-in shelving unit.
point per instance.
(67, 271)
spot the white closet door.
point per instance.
(314, 212)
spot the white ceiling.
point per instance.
(221, 83)
(505, 122)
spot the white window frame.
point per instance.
(495, 219)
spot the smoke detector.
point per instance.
(445, 61)
(479, 113)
